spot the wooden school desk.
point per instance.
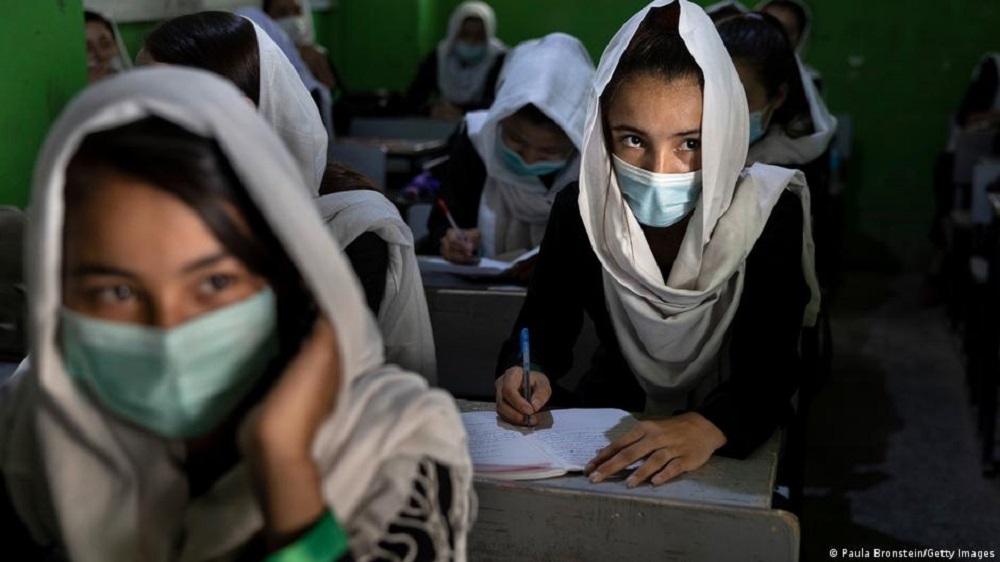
(720, 512)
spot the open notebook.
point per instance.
(486, 267)
(565, 441)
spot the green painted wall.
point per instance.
(43, 64)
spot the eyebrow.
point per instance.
(638, 131)
(86, 269)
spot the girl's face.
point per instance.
(135, 254)
(656, 125)
(757, 96)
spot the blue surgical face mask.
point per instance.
(469, 52)
(657, 199)
(178, 382)
(517, 164)
(757, 126)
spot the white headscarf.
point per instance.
(776, 147)
(107, 491)
(672, 331)
(285, 103)
(461, 83)
(287, 46)
(554, 74)
(403, 318)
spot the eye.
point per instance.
(632, 141)
(216, 283)
(113, 294)
(691, 144)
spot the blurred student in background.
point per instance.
(509, 162)
(460, 75)
(106, 52)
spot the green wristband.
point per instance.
(324, 542)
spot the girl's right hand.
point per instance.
(455, 250)
(511, 404)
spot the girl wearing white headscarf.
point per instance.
(696, 272)
(511, 161)
(339, 454)
(790, 125)
(462, 71)
(223, 42)
(240, 50)
(106, 52)
(797, 20)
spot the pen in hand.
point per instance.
(525, 366)
(451, 221)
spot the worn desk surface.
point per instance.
(719, 512)
(399, 147)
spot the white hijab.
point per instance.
(554, 74)
(776, 147)
(403, 318)
(672, 330)
(285, 103)
(107, 491)
(285, 44)
(458, 82)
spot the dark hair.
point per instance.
(223, 43)
(536, 116)
(724, 12)
(194, 169)
(89, 16)
(656, 50)
(340, 177)
(801, 17)
(759, 41)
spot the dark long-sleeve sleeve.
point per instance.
(552, 311)
(765, 368)
(461, 188)
(424, 85)
(369, 256)
(765, 364)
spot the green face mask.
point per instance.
(179, 382)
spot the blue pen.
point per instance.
(525, 366)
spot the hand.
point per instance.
(277, 437)
(521, 271)
(511, 405)
(445, 110)
(671, 447)
(455, 251)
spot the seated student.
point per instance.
(106, 53)
(460, 75)
(297, 22)
(796, 19)
(790, 125)
(695, 271)
(509, 163)
(379, 245)
(172, 239)
(241, 51)
(321, 94)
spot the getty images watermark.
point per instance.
(899, 554)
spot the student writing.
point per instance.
(696, 272)
(509, 162)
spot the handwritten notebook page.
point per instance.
(564, 442)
